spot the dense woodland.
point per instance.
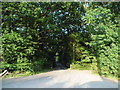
(81, 35)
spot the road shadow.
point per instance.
(104, 83)
(98, 84)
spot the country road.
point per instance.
(60, 79)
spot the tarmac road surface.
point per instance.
(60, 79)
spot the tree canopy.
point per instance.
(85, 35)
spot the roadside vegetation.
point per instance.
(78, 35)
(24, 74)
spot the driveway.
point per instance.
(60, 79)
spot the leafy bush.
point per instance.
(39, 64)
(80, 66)
(104, 40)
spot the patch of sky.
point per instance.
(17, 28)
(53, 13)
(87, 24)
(71, 26)
(78, 9)
(60, 15)
(65, 31)
(105, 5)
(83, 26)
(87, 4)
(66, 13)
(96, 16)
(38, 29)
(86, 31)
(59, 10)
(15, 15)
(21, 29)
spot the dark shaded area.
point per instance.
(59, 66)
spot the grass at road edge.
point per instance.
(113, 78)
(23, 74)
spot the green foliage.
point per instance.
(104, 39)
(39, 64)
(80, 66)
(84, 38)
(84, 59)
(16, 51)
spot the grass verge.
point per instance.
(23, 74)
(108, 76)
